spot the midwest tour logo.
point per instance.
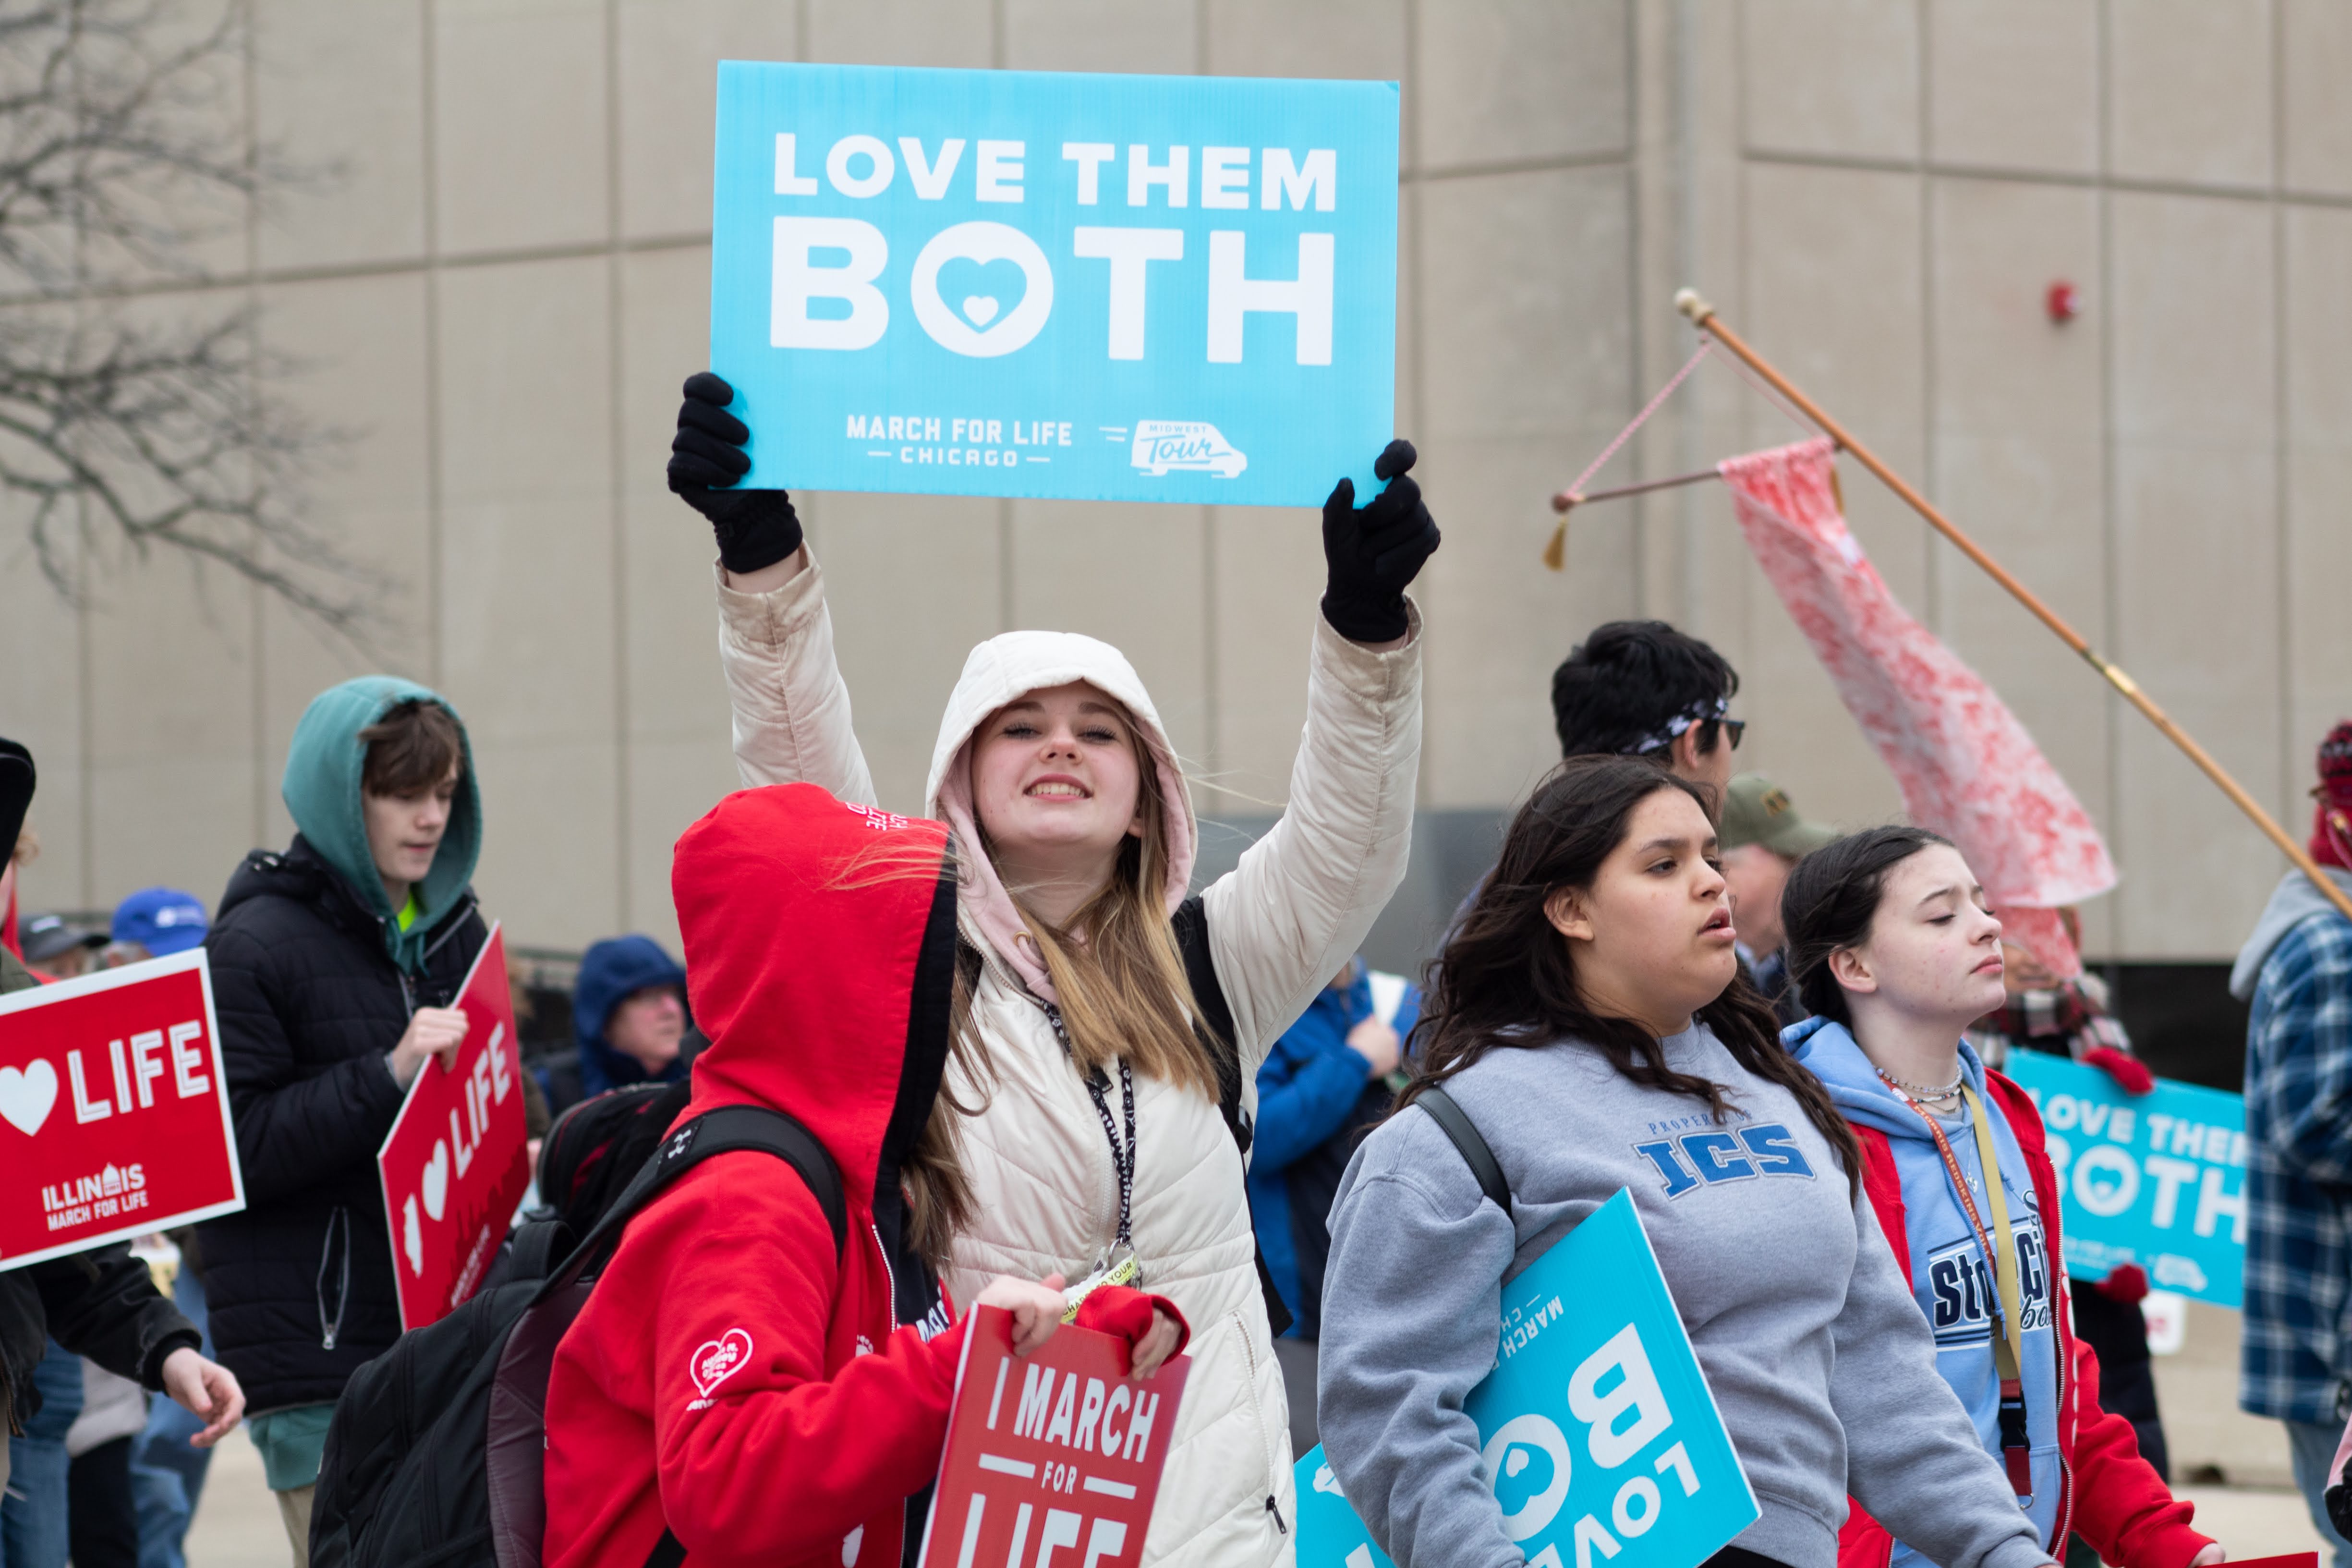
(116, 1190)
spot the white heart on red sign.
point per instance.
(412, 1236)
(436, 1180)
(716, 1361)
(27, 1094)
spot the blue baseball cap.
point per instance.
(163, 921)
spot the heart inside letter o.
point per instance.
(982, 242)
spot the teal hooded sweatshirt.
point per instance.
(321, 789)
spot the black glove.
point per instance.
(1372, 554)
(755, 528)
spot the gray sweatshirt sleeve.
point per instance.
(1913, 1459)
(1411, 1317)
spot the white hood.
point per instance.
(1004, 670)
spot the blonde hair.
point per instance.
(26, 849)
(1115, 966)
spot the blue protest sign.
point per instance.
(1601, 1436)
(1025, 283)
(2157, 1178)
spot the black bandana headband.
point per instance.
(1706, 710)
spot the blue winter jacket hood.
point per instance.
(609, 972)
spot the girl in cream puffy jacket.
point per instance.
(1027, 744)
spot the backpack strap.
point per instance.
(726, 1130)
(538, 1247)
(1192, 922)
(1455, 1123)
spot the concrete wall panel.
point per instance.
(365, 339)
(1159, 37)
(1134, 575)
(668, 57)
(364, 129)
(2017, 438)
(1834, 298)
(1831, 76)
(1364, 39)
(1514, 80)
(898, 32)
(2315, 113)
(2196, 562)
(1525, 343)
(528, 559)
(2188, 86)
(2319, 532)
(2014, 84)
(521, 100)
(916, 581)
(1268, 587)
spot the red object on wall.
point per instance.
(1060, 1448)
(455, 1162)
(2064, 301)
(113, 1109)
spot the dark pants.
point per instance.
(1297, 1358)
(104, 1523)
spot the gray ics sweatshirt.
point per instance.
(1819, 1362)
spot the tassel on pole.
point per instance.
(1703, 316)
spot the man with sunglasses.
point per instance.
(1642, 688)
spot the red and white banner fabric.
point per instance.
(1966, 766)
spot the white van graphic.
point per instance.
(1164, 444)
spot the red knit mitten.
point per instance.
(2125, 1283)
(2130, 1073)
(1115, 1310)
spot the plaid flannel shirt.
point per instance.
(2297, 1346)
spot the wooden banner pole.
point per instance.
(1703, 316)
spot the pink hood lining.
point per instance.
(1000, 670)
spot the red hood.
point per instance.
(820, 960)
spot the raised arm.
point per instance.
(775, 636)
(1299, 903)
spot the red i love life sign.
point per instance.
(1052, 1459)
(455, 1162)
(113, 1109)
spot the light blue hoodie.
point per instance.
(1948, 1277)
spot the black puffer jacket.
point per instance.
(309, 1001)
(101, 1304)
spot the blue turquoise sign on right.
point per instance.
(2156, 1179)
(1601, 1436)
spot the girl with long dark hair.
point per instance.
(1589, 1018)
(1895, 952)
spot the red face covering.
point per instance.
(2331, 824)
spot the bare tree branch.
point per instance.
(122, 151)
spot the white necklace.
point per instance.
(1949, 1091)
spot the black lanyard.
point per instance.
(1122, 1156)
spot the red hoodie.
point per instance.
(727, 1378)
(2114, 1499)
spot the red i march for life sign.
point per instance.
(455, 1162)
(1052, 1459)
(113, 1109)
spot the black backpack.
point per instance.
(435, 1455)
(598, 1145)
